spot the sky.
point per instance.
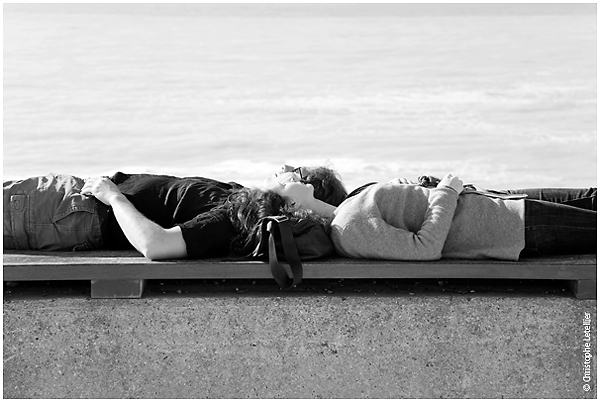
(315, 9)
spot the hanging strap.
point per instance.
(285, 277)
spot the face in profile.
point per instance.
(301, 171)
(289, 185)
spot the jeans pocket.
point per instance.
(74, 225)
(16, 222)
(73, 212)
(49, 213)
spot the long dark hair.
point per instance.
(245, 208)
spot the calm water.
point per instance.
(504, 101)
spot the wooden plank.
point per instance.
(322, 270)
(127, 265)
(25, 257)
(122, 274)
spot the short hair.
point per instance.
(327, 183)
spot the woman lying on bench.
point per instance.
(399, 220)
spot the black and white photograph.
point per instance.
(299, 200)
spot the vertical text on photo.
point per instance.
(587, 351)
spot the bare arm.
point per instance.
(150, 239)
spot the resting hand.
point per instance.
(404, 180)
(102, 188)
(428, 181)
(453, 182)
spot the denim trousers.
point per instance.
(559, 221)
(49, 213)
(584, 198)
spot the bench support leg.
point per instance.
(118, 288)
(584, 288)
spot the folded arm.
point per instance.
(375, 238)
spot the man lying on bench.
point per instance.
(163, 217)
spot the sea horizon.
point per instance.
(500, 96)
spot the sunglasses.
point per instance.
(298, 170)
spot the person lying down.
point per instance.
(402, 220)
(168, 217)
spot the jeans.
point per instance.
(584, 198)
(559, 221)
(49, 213)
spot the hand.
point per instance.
(404, 180)
(428, 181)
(453, 182)
(102, 188)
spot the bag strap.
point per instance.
(286, 278)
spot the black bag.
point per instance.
(291, 240)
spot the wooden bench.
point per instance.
(123, 274)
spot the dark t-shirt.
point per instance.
(189, 202)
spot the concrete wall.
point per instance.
(342, 343)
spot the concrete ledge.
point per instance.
(207, 342)
(327, 338)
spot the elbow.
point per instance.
(428, 250)
(434, 256)
(160, 248)
(429, 253)
(156, 255)
(153, 250)
(432, 253)
(150, 253)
